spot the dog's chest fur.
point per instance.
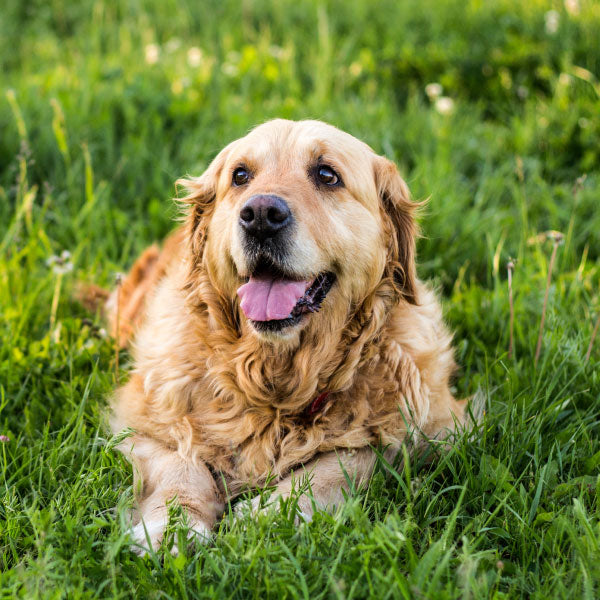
(231, 402)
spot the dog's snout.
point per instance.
(264, 215)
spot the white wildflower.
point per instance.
(572, 7)
(551, 19)
(60, 264)
(64, 268)
(229, 69)
(277, 52)
(152, 52)
(433, 90)
(444, 105)
(173, 44)
(194, 56)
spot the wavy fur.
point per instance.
(207, 392)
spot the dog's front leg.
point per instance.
(328, 475)
(160, 475)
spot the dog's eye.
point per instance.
(327, 175)
(240, 176)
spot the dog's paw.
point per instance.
(149, 533)
(198, 533)
(248, 508)
(258, 505)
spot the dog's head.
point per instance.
(299, 219)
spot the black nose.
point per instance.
(264, 215)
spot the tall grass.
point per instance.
(105, 104)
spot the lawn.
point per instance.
(105, 104)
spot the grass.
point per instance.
(105, 104)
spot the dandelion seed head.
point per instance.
(433, 90)
(61, 269)
(572, 7)
(173, 44)
(60, 263)
(444, 105)
(194, 56)
(152, 53)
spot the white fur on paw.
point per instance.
(246, 508)
(153, 530)
(253, 507)
(199, 533)
(303, 516)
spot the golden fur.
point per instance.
(217, 406)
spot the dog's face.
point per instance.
(299, 219)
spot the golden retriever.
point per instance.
(281, 328)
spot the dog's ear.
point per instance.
(399, 222)
(199, 202)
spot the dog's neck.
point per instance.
(326, 358)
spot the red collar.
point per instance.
(317, 404)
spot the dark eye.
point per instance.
(327, 175)
(240, 176)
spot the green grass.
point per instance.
(93, 137)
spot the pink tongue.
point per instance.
(267, 299)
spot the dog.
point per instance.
(280, 330)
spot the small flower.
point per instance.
(173, 44)
(278, 52)
(229, 69)
(555, 236)
(60, 264)
(355, 69)
(572, 7)
(152, 52)
(4, 439)
(551, 21)
(433, 90)
(444, 105)
(194, 56)
(522, 92)
(64, 268)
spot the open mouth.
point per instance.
(273, 300)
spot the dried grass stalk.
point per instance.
(511, 344)
(556, 238)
